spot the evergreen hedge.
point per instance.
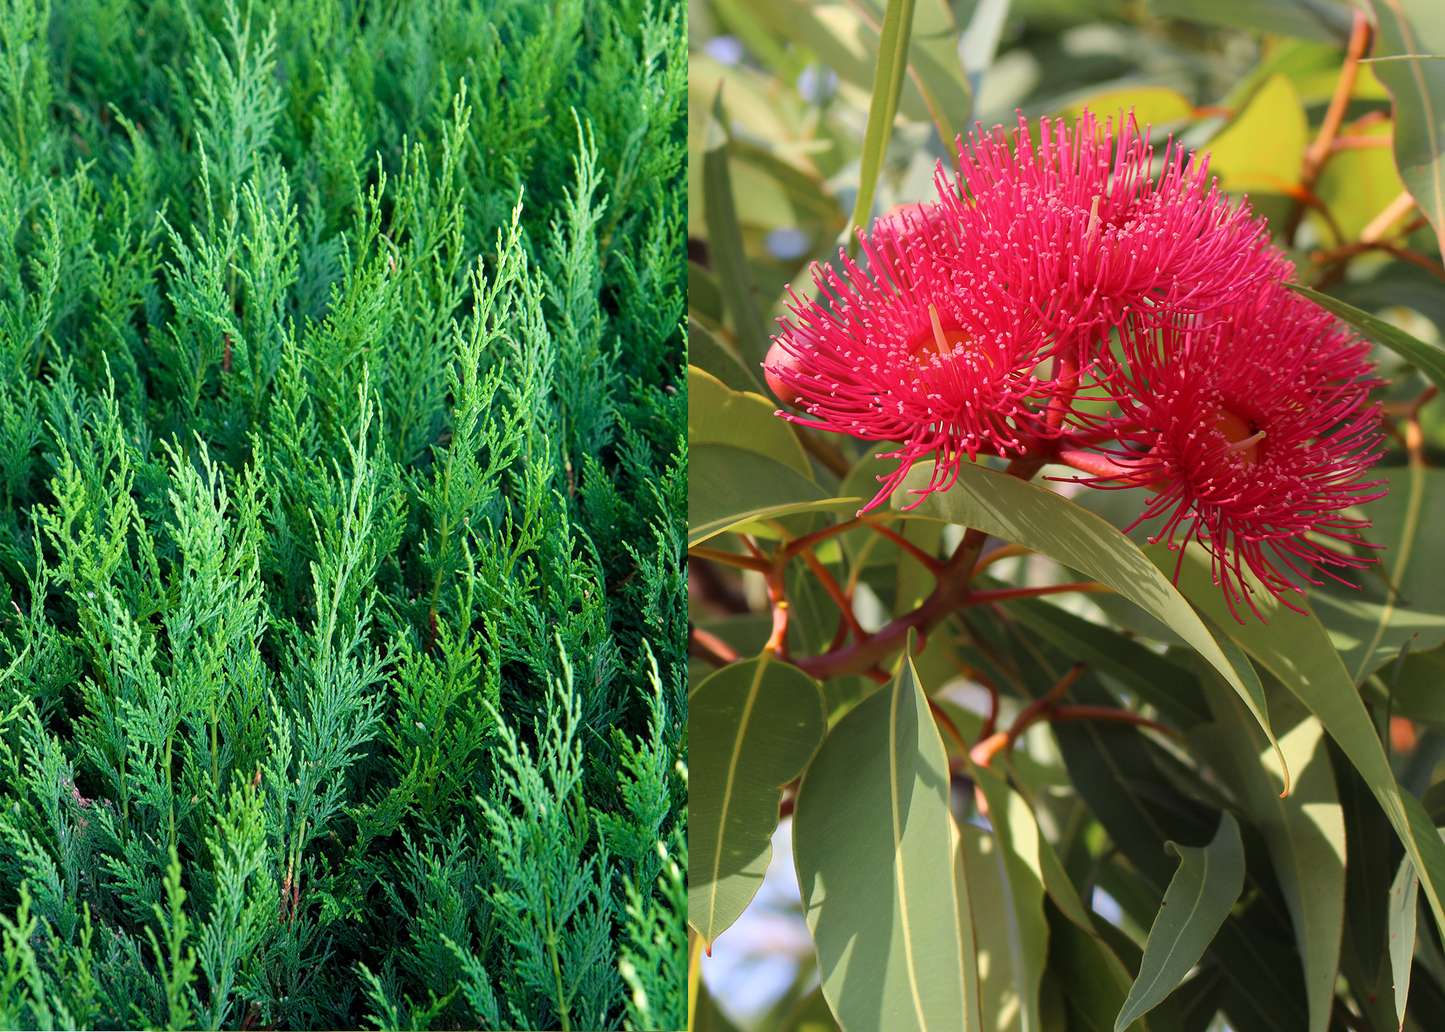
(342, 491)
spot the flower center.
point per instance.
(942, 342)
(1241, 434)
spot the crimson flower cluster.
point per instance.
(1075, 268)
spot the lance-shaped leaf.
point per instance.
(1428, 358)
(1297, 650)
(1305, 830)
(725, 241)
(1403, 599)
(1325, 20)
(705, 351)
(1165, 685)
(1403, 892)
(1199, 897)
(1051, 525)
(717, 414)
(728, 486)
(753, 727)
(878, 860)
(1412, 35)
(888, 75)
(1007, 899)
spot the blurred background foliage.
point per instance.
(779, 94)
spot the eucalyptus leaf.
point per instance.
(1167, 686)
(1009, 914)
(1297, 650)
(706, 351)
(1414, 30)
(1428, 358)
(1403, 892)
(728, 487)
(1304, 830)
(1325, 20)
(888, 77)
(1419, 690)
(1051, 525)
(1200, 896)
(878, 858)
(1093, 989)
(1403, 598)
(810, 1015)
(725, 241)
(1259, 152)
(717, 414)
(754, 725)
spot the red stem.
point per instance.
(978, 598)
(710, 648)
(933, 565)
(830, 585)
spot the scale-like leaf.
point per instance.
(754, 725)
(1051, 525)
(1198, 899)
(878, 862)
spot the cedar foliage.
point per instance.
(342, 490)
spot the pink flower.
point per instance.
(1254, 431)
(1084, 229)
(1035, 252)
(906, 355)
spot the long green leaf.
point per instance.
(1297, 650)
(1403, 892)
(705, 351)
(810, 1015)
(1051, 525)
(753, 725)
(1092, 988)
(1165, 685)
(1364, 951)
(1305, 830)
(725, 241)
(1199, 897)
(717, 414)
(729, 486)
(1323, 20)
(878, 861)
(888, 74)
(1415, 29)
(934, 62)
(1007, 899)
(1404, 598)
(1428, 358)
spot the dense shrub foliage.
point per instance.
(342, 477)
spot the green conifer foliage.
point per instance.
(342, 494)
